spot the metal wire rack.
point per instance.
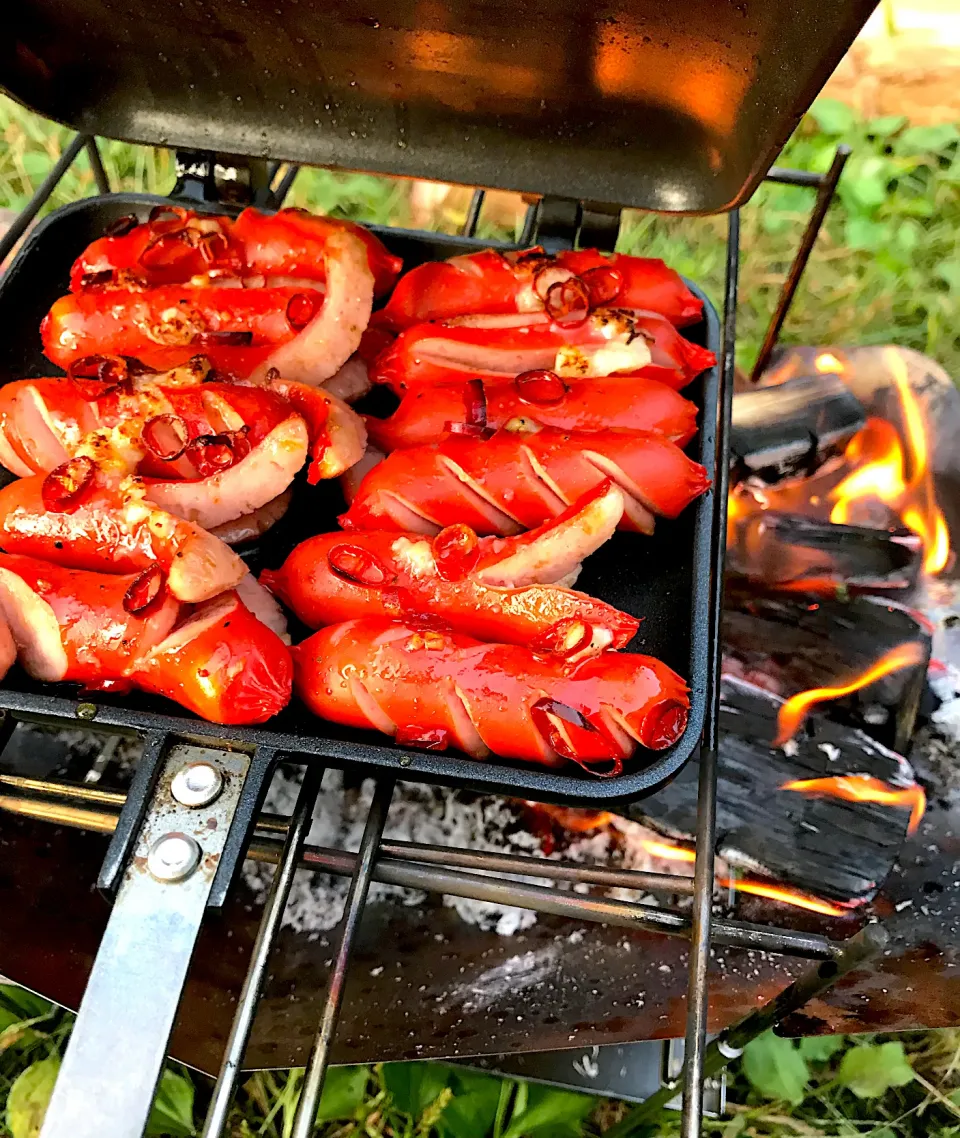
(164, 881)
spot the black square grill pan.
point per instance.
(665, 578)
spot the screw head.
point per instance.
(173, 857)
(197, 784)
(86, 710)
(405, 761)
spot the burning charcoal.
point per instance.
(788, 551)
(823, 844)
(868, 372)
(796, 644)
(793, 427)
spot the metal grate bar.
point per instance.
(429, 867)
(297, 831)
(858, 950)
(697, 985)
(826, 188)
(473, 213)
(39, 199)
(279, 195)
(303, 1122)
(96, 165)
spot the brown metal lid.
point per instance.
(676, 105)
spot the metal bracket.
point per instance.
(562, 223)
(227, 179)
(113, 1061)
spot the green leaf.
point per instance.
(29, 1095)
(872, 1070)
(884, 127)
(343, 1091)
(864, 233)
(549, 1113)
(931, 139)
(776, 1068)
(949, 272)
(833, 117)
(172, 1110)
(819, 1048)
(867, 182)
(473, 1108)
(413, 1086)
(23, 1004)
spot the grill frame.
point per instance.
(836, 959)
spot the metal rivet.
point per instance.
(173, 857)
(405, 761)
(86, 710)
(197, 784)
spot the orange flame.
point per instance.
(570, 817)
(880, 459)
(864, 788)
(827, 362)
(668, 852)
(772, 892)
(794, 711)
(786, 896)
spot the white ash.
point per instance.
(447, 817)
(417, 814)
(940, 602)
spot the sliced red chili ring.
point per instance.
(146, 593)
(663, 724)
(604, 285)
(165, 249)
(358, 565)
(568, 301)
(232, 339)
(66, 484)
(428, 738)
(165, 436)
(121, 226)
(456, 550)
(211, 454)
(96, 376)
(551, 274)
(301, 309)
(534, 254)
(213, 246)
(168, 213)
(565, 638)
(577, 728)
(541, 387)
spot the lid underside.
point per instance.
(676, 106)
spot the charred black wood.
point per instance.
(793, 427)
(827, 846)
(790, 551)
(788, 643)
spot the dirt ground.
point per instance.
(911, 68)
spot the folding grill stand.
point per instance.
(193, 813)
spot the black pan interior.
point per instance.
(663, 579)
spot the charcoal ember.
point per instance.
(827, 846)
(789, 551)
(790, 643)
(792, 428)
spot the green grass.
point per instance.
(838, 1087)
(886, 269)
